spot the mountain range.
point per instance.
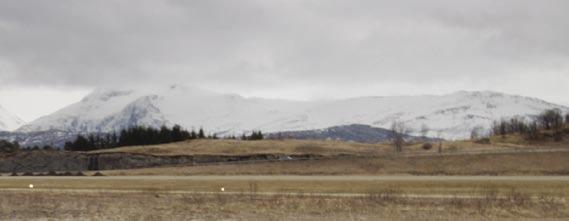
(450, 116)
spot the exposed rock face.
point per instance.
(44, 161)
(114, 161)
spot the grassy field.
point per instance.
(469, 164)
(353, 182)
(238, 147)
(165, 206)
(284, 198)
(457, 158)
(300, 184)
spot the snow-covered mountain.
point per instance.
(452, 116)
(9, 121)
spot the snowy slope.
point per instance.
(8, 121)
(453, 115)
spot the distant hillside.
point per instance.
(355, 132)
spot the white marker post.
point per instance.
(222, 189)
(31, 186)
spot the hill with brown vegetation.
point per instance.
(497, 155)
(500, 156)
(239, 147)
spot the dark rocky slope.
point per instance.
(44, 161)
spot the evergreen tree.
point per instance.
(193, 135)
(176, 133)
(81, 143)
(91, 143)
(201, 134)
(165, 135)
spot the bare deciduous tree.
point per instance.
(475, 134)
(551, 119)
(398, 130)
(424, 131)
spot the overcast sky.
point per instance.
(53, 53)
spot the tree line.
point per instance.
(141, 135)
(255, 135)
(549, 123)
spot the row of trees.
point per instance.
(141, 135)
(551, 121)
(255, 135)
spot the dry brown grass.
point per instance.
(296, 184)
(385, 205)
(237, 147)
(482, 164)
(382, 159)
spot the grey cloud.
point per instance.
(264, 44)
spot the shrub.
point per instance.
(51, 173)
(452, 148)
(79, 173)
(67, 173)
(98, 174)
(14, 174)
(483, 141)
(28, 174)
(427, 146)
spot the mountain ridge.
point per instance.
(450, 116)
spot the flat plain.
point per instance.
(466, 181)
(286, 197)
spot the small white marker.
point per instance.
(222, 189)
(31, 186)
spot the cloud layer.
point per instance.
(310, 48)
